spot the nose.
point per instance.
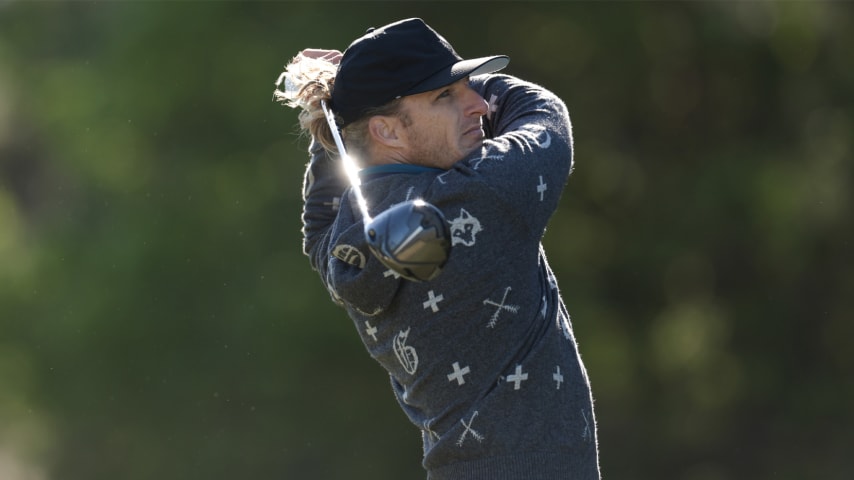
(475, 104)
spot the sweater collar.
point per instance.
(377, 171)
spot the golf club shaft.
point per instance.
(349, 165)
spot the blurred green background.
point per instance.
(159, 321)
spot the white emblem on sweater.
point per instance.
(349, 254)
(517, 378)
(371, 330)
(500, 307)
(464, 229)
(558, 378)
(493, 105)
(541, 188)
(458, 374)
(538, 136)
(468, 430)
(544, 142)
(406, 355)
(433, 301)
(587, 434)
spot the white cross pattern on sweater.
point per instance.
(458, 373)
(371, 330)
(558, 378)
(517, 378)
(433, 301)
(541, 188)
(493, 105)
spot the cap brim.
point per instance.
(479, 66)
(460, 70)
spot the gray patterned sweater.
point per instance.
(482, 359)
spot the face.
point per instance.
(443, 126)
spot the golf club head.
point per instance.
(411, 238)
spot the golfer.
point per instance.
(482, 358)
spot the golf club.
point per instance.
(411, 238)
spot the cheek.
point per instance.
(435, 139)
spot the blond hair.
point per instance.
(305, 83)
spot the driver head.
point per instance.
(411, 238)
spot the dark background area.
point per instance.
(159, 321)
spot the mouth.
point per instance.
(474, 130)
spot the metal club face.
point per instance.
(412, 238)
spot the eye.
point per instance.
(445, 93)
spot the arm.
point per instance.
(529, 155)
(306, 77)
(323, 188)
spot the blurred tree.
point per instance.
(158, 320)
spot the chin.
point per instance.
(472, 147)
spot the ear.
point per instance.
(385, 130)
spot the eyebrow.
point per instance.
(440, 91)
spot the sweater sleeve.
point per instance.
(528, 155)
(323, 187)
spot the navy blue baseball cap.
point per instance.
(402, 58)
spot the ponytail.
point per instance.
(305, 83)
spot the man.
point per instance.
(482, 358)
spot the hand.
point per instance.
(332, 56)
